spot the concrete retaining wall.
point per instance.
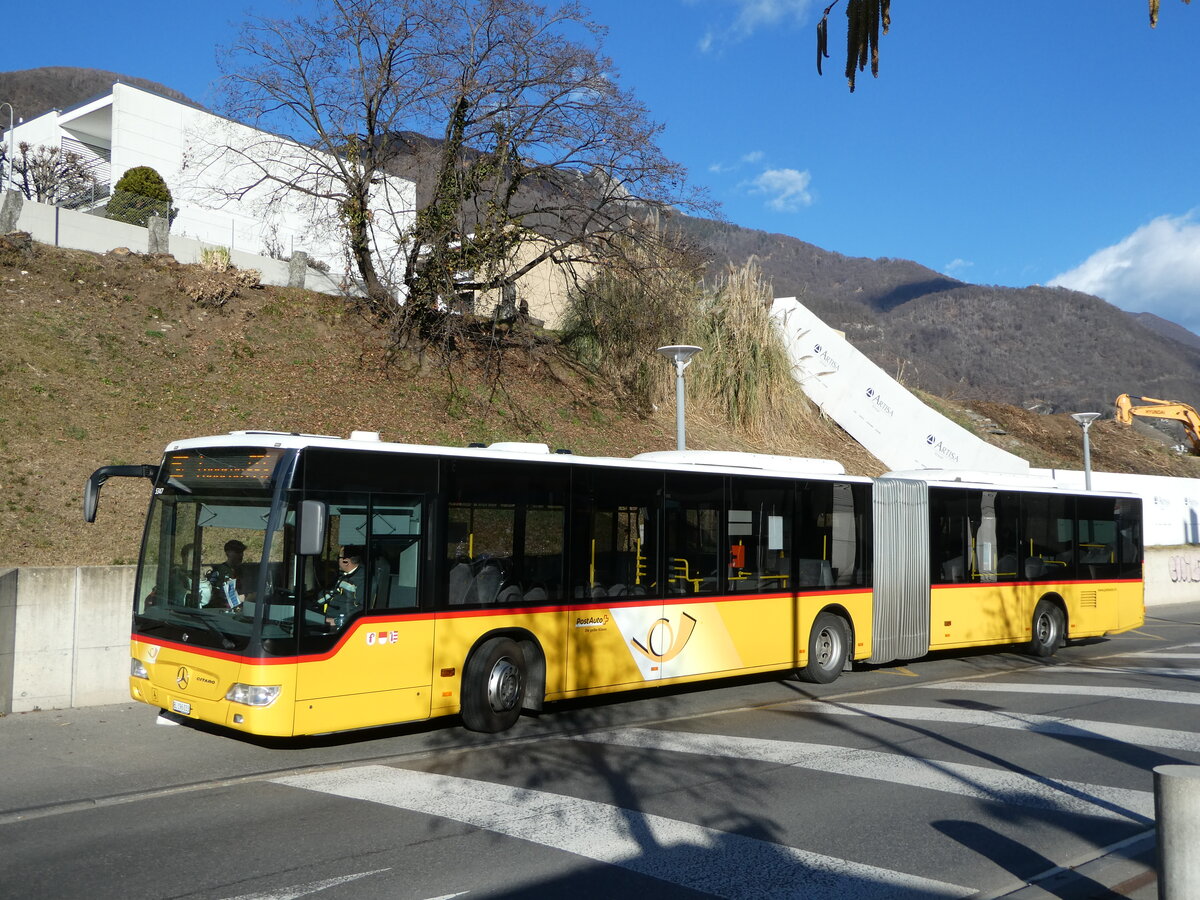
(64, 632)
(1172, 575)
(64, 636)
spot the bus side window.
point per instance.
(693, 520)
(759, 534)
(614, 551)
(395, 554)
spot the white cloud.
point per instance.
(752, 15)
(1155, 269)
(956, 266)
(747, 159)
(786, 189)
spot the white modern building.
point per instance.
(223, 175)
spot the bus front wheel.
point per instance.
(493, 688)
(828, 649)
(1049, 627)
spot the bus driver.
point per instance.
(346, 597)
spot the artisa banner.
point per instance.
(896, 427)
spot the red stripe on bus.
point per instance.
(377, 624)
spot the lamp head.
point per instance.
(1085, 419)
(681, 354)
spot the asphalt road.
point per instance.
(962, 775)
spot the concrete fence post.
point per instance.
(1177, 818)
(297, 269)
(10, 210)
(158, 238)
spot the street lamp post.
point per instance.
(1085, 421)
(681, 355)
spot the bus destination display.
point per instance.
(227, 469)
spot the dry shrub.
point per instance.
(746, 376)
(213, 289)
(743, 377)
(614, 322)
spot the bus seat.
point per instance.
(815, 573)
(536, 595)
(487, 584)
(510, 594)
(954, 570)
(461, 584)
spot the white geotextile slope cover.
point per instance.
(875, 410)
(905, 434)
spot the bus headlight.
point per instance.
(137, 668)
(253, 694)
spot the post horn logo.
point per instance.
(663, 643)
(181, 677)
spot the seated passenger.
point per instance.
(181, 578)
(229, 581)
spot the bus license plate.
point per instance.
(184, 709)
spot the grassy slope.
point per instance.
(108, 359)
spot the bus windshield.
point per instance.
(207, 557)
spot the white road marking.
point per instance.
(704, 859)
(1169, 651)
(1138, 735)
(1153, 695)
(997, 785)
(312, 887)
(1183, 673)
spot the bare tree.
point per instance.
(864, 20)
(50, 174)
(531, 134)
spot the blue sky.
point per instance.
(1012, 143)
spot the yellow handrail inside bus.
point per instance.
(680, 567)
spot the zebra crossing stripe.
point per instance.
(979, 782)
(1115, 692)
(1138, 735)
(721, 863)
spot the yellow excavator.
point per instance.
(1152, 408)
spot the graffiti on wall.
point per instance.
(1184, 569)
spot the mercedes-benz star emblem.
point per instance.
(181, 677)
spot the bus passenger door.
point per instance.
(615, 627)
(366, 650)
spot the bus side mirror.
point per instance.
(91, 490)
(91, 498)
(313, 517)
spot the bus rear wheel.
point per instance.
(493, 688)
(828, 649)
(1049, 626)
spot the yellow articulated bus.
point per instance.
(297, 584)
